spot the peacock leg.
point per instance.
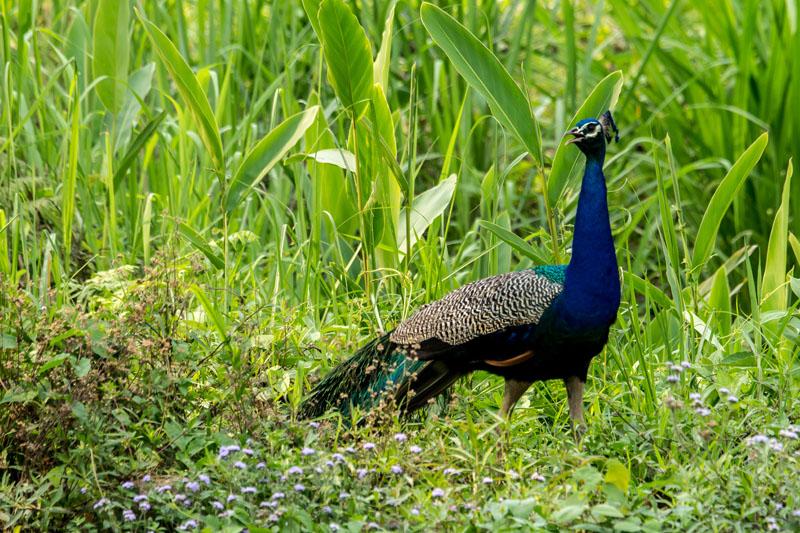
(575, 399)
(513, 392)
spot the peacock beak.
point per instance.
(577, 135)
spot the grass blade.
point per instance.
(202, 246)
(484, 73)
(722, 198)
(516, 242)
(190, 91)
(774, 296)
(266, 153)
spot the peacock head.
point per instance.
(592, 134)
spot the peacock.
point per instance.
(547, 322)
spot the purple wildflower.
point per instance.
(295, 471)
(400, 437)
(231, 497)
(261, 466)
(373, 525)
(361, 473)
(278, 496)
(299, 487)
(397, 469)
(368, 446)
(127, 485)
(536, 476)
(796, 513)
(100, 503)
(248, 490)
(772, 524)
(437, 493)
(333, 527)
(144, 506)
(223, 452)
(330, 464)
(450, 472)
(146, 478)
(703, 411)
(414, 448)
(179, 497)
(487, 481)
(163, 488)
(415, 511)
(326, 509)
(339, 458)
(270, 504)
(248, 451)
(695, 396)
(204, 478)
(139, 497)
(308, 451)
(189, 524)
(83, 490)
(128, 515)
(672, 378)
(686, 364)
(240, 465)
(217, 505)
(193, 486)
(350, 449)
(344, 495)
(313, 425)
(732, 399)
(723, 390)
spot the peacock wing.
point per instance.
(479, 310)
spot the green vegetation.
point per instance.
(205, 206)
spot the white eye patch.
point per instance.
(591, 130)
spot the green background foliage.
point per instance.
(206, 205)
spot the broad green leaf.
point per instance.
(516, 242)
(111, 52)
(566, 162)
(190, 91)
(139, 84)
(54, 361)
(617, 474)
(795, 246)
(719, 301)
(311, 7)
(774, 290)
(82, 366)
(200, 243)
(338, 157)
(266, 153)
(484, 73)
(380, 70)
(605, 510)
(348, 55)
(328, 183)
(426, 207)
(722, 198)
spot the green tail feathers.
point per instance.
(377, 375)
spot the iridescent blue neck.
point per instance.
(591, 288)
